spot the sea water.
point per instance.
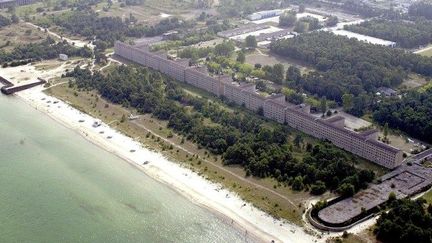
(55, 186)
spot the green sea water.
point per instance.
(57, 187)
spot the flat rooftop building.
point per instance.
(10, 3)
(365, 38)
(274, 106)
(265, 14)
(242, 30)
(403, 182)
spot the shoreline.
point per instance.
(257, 225)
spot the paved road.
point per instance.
(427, 154)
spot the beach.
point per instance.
(255, 223)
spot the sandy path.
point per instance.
(78, 43)
(221, 167)
(423, 50)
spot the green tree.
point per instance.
(278, 73)
(386, 132)
(347, 101)
(302, 8)
(241, 57)
(298, 184)
(293, 74)
(287, 19)
(15, 19)
(251, 42)
(346, 190)
(298, 140)
(318, 188)
(332, 21)
(323, 105)
(391, 197)
(224, 49)
(238, 154)
(301, 27)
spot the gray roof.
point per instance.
(405, 181)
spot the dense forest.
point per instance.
(407, 221)
(46, 49)
(411, 114)
(407, 34)
(347, 65)
(421, 9)
(106, 30)
(241, 138)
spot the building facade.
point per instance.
(274, 107)
(11, 3)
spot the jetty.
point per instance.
(10, 88)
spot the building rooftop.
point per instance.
(387, 91)
(405, 181)
(242, 30)
(365, 38)
(368, 132)
(335, 119)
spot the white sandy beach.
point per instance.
(249, 219)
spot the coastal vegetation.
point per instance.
(240, 138)
(267, 194)
(46, 49)
(406, 221)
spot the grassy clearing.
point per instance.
(427, 52)
(413, 81)
(148, 13)
(51, 64)
(428, 196)
(265, 57)
(19, 34)
(364, 236)
(154, 134)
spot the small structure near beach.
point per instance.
(63, 57)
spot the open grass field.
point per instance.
(151, 12)
(427, 52)
(428, 196)
(267, 194)
(25, 10)
(267, 58)
(413, 81)
(18, 34)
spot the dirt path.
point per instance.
(423, 50)
(78, 43)
(218, 166)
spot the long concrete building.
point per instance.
(12, 3)
(274, 107)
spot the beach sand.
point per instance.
(257, 224)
